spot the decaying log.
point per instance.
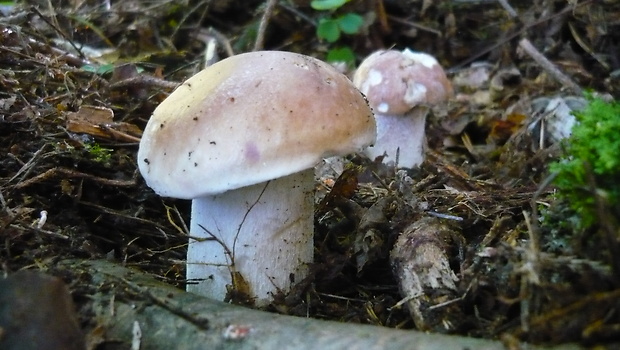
(427, 283)
(125, 300)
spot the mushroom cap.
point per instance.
(248, 119)
(394, 82)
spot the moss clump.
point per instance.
(590, 164)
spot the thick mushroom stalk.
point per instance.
(400, 87)
(252, 242)
(241, 139)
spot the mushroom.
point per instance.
(400, 88)
(240, 139)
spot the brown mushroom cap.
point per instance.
(248, 119)
(395, 82)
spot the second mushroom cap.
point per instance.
(397, 81)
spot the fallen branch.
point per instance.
(172, 319)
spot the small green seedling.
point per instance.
(331, 27)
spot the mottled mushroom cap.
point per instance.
(394, 82)
(248, 119)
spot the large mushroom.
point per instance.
(400, 87)
(240, 139)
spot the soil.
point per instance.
(80, 80)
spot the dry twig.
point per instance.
(262, 28)
(62, 172)
(145, 80)
(549, 67)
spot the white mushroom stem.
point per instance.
(402, 134)
(263, 234)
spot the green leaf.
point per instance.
(341, 54)
(322, 5)
(350, 23)
(328, 30)
(100, 70)
(7, 6)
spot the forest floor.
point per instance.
(80, 80)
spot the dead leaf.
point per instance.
(99, 122)
(502, 129)
(344, 188)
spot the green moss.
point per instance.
(590, 164)
(98, 153)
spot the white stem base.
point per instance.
(404, 134)
(267, 229)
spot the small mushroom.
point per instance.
(400, 87)
(240, 139)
